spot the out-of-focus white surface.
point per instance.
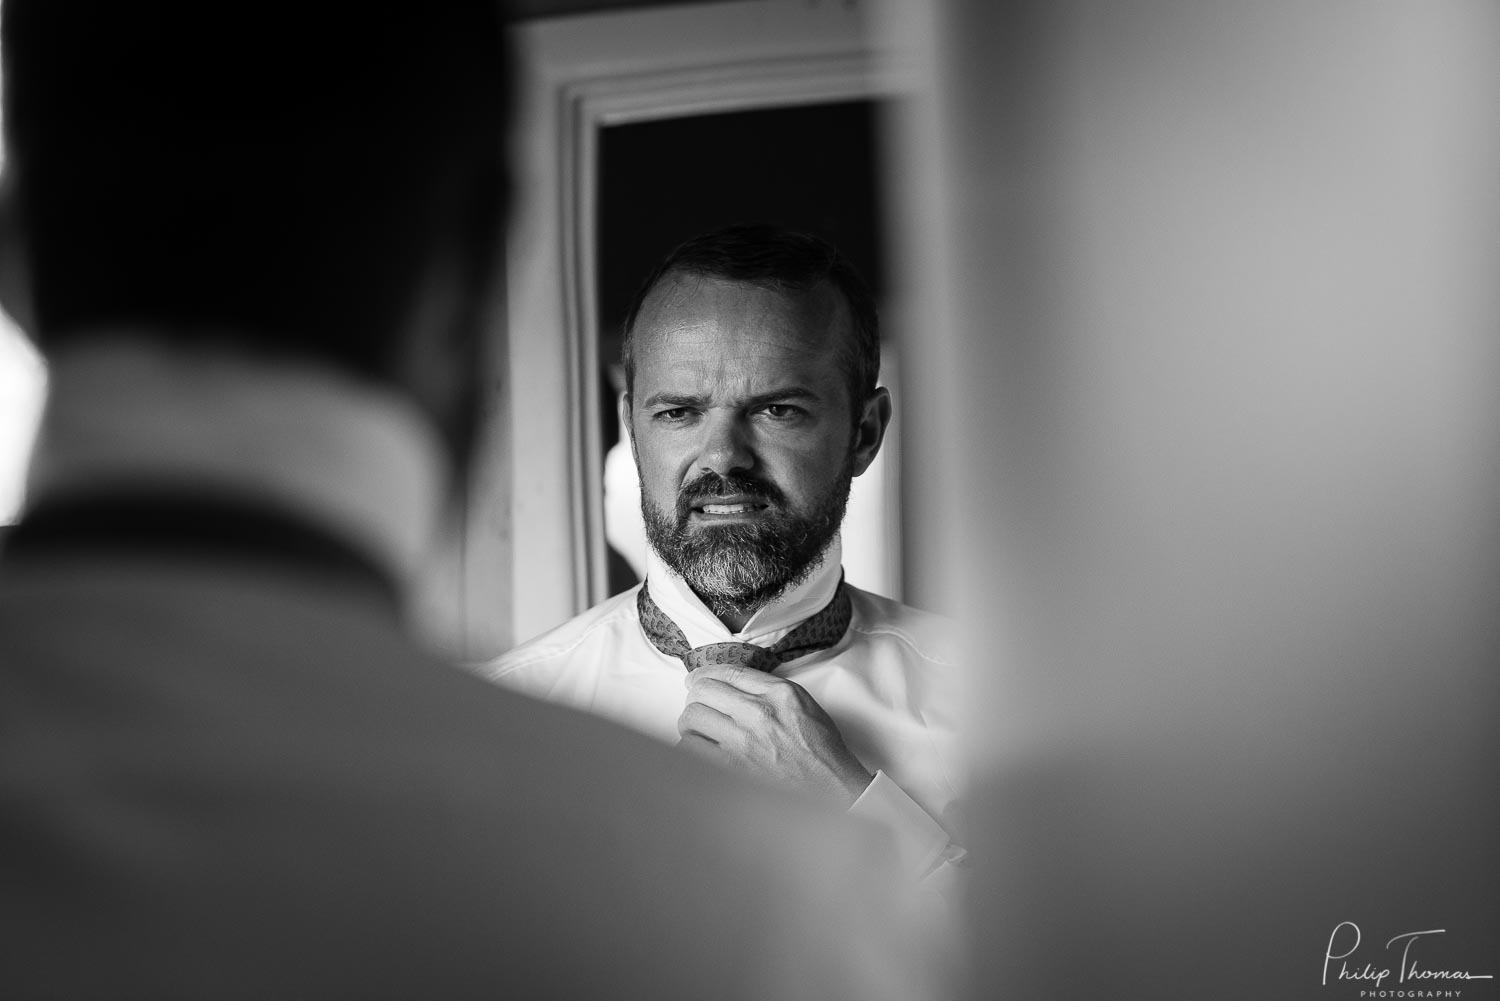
(23, 384)
(1220, 345)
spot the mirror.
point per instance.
(810, 167)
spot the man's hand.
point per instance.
(770, 726)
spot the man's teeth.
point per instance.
(727, 508)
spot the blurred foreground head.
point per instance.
(321, 183)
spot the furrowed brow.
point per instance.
(784, 395)
(671, 401)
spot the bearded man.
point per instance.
(751, 357)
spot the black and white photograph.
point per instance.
(840, 500)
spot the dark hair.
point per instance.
(280, 175)
(774, 257)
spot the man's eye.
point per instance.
(781, 411)
(673, 415)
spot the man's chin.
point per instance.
(727, 536)
(744, 560)
(722, 567)
(738, 593)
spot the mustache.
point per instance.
(711, 485)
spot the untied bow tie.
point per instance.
(822, 630)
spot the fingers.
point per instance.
(702, 731)
(780, 704)
(696, 743)
(726, 698)
(771, 727)
(744, 693)
(705, 722)
(746, 679)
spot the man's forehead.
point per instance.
(706, 307)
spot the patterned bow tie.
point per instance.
(819, 632)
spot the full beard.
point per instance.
(737, 569)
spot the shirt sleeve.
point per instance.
(923, 846)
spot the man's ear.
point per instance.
(874, 418)
(626, 422)
(15, 270)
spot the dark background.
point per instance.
(810, 167)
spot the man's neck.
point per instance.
(733, 613)
(359, 460)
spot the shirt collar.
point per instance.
(700, 626)
(359, 459)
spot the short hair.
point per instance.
(781, 259)
(279, 175)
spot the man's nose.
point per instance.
(726, 446)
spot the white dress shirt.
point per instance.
(887, 685)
